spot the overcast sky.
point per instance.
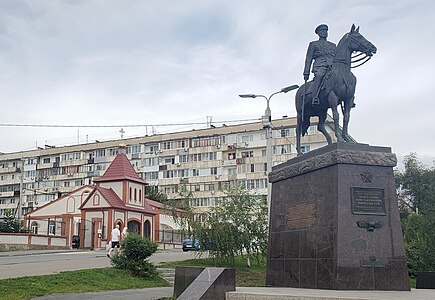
(107, 62)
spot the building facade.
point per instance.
(204, 160)
(91, 211)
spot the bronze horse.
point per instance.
(338, 88)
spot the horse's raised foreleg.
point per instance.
(346, 117)
(333, 103)
(321, 127)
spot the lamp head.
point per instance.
(289, 88)
(248, 96)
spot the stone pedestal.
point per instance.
(335, 222)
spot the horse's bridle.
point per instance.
(364, 46)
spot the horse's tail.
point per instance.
(303, 114)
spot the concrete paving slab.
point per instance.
(259, 293)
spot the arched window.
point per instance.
(70, 205)
(130, 193)
(96, 200)
(34, 227)
(135, 195)
(140, 196)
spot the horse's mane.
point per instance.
(343, 39)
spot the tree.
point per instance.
(416, 184)
(416, 191)
(134, 254)
(236, 226)
(153, 193)
(9, 223)
(180, 208)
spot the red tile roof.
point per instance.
(111, 197)
(116, 202)
(120, 169)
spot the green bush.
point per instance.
(134, 254)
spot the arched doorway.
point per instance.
(133, 226)
(147, 229)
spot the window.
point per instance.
(169, 160)
(263, 152)
(34, 228)
(184, 158)
(247, 138)
(151, 161)
(247, 154)
(252, 168)
(166, 145)
(305, 148)
(169, 189)
(289, 132)
(281, 149)
(96, 200)
(182, 144)
(213, 171)
(52, 227)
(100, 153)
(151, 175)
(113, 151)
(229, 139)
(135, 149)
(206, 141)
(195, 172)
(46, 160)
(312, 130)
(151, 148)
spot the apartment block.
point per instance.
(204, 160)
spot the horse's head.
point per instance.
(357, 42)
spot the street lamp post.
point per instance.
(267, 125)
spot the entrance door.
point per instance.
(133, 226)
(147, 229)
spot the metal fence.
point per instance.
(172, 238)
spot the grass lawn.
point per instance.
(245, 276)
(91, 280)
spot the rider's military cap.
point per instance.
(320, 27)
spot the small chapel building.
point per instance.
(92, 211)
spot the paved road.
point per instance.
(19, 264)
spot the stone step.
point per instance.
(167, 274)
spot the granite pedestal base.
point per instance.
(335, 222)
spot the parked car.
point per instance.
(190, 244)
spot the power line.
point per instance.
(120, 125)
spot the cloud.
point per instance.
(105, 62)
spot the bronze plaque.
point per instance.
(301, 216)
(368, 201)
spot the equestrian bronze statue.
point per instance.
(334, 85)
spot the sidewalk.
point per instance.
(37, 252)
(133, 294)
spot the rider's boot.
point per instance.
(315, 92)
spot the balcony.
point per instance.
(7, 194)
